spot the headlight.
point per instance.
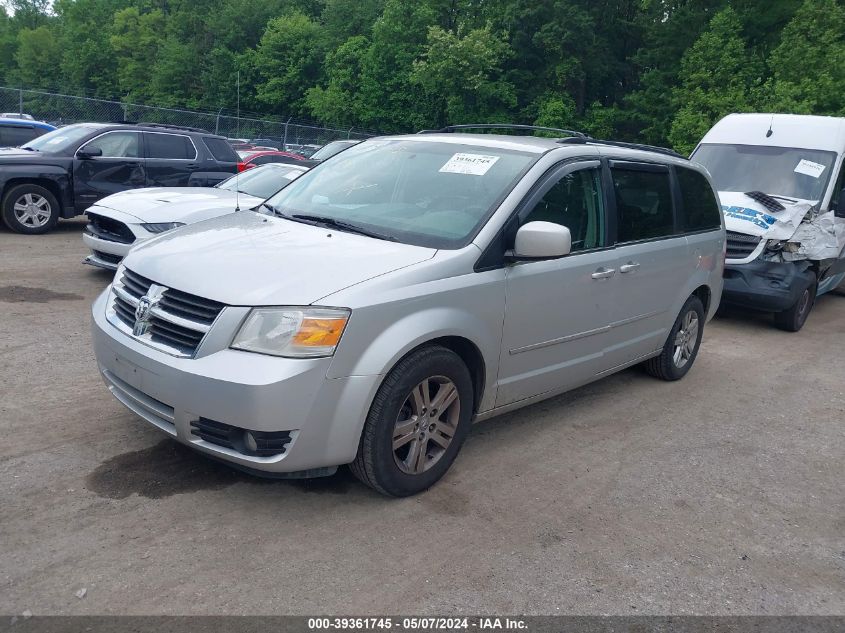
(292, 332)
(161, 227)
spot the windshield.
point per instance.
(62, 139)
(261, 182)
(425, 193)
(779, 171)
(335, 147)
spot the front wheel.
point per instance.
(681, 347)
(418, 421)
(795, 317)
(30, 209)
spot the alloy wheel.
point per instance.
(33, 210)
(686, 339)
(426, 424)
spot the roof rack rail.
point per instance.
(169, 126)
(503, 126)
(642, 146)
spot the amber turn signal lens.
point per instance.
(319, 332)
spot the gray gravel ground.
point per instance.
(721, 494)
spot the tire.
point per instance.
(681, 347)
(30, 209)
(794, 319)
(397, 455)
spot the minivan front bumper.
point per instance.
(249, 391)
(767, 286)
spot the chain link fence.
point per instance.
(61, 109)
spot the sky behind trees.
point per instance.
(656, 71)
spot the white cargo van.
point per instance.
(780, 179)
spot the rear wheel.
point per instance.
(795, 317)
(681, 347)
(30, 209)
(417, 423)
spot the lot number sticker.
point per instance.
(470, 164)
(809, 168)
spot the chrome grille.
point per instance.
(178, 321)
(740, 245)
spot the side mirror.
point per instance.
(542, 240)
(89, 153)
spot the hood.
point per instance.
(745, 215)
(17, 155)
(252, 259)
(145, 203)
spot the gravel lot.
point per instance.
(721, 494)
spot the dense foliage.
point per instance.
(660, 71)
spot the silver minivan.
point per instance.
(406, 287)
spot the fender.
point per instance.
(56, 175)
(396, 339)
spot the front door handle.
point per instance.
(629, 267)
(603, 273)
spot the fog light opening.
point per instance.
(249, 442)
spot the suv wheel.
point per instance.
(681, 347)
(794, 319)
(418, 421)
(30, 209)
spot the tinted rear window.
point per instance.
(14, 135)
(170, 146)
(700, 209)
(643, 204)
(220, 149)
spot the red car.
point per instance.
(250, 159)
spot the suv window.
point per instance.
(643, 204)
(701, 210)
(117, 144)
(16, 135)
(575, 201)
(172, 146)
(220, 149)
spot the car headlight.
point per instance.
(161, 227)
(292, 332)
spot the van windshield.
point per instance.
(425, 193)
(778, 171)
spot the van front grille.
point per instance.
(176, 321)
(741, 245)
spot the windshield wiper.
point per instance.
(339, 225)
(272, 209)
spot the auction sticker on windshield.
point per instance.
(470, 164)
(809, 168)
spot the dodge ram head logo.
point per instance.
(144, 309)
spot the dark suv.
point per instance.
(62, 173)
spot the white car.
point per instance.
(122, 220)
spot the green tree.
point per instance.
(646, 111)
(343, 19)
(289, 60)
(808, 66)
(718, 76)
(8, 46)
(38, 58)
(88, 61)
(462, 76)
(339, 102)
(136, 40)
(390, 100)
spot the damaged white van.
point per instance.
(780, 179)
